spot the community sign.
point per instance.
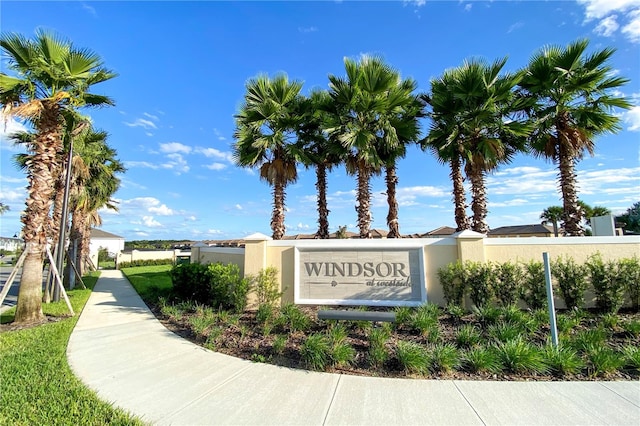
(366, 276)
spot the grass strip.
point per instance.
(151, 282)
(38, 386)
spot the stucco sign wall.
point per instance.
(363, 276)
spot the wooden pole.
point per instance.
(12, 276)
(60, 285)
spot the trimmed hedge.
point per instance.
(614, 282)
(144, 262)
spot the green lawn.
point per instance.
(37, 385)
(151, 282)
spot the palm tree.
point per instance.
(51, 77)
(403, 111)
(315, 149)
(264, 136)
(552, 215)
(93, 183)
(362, 104)
(473, 107)
(4, 208)
(574, 101)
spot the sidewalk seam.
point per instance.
(468, 402)
(635, 403)
(333, 397)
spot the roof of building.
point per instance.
(522, 230)
(443, 230)
(98, 233)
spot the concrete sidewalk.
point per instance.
(121, 351)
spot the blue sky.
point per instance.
(182, 70)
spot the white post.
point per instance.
(550, 303)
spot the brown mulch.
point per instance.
(245, 340)
(13, 326)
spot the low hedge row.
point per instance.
(144, 262)
(614, 282)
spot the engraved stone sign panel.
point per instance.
(376, 277)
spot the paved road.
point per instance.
(12, 297)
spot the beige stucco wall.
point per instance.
(260, 252)
(579, 248)
(220, 254)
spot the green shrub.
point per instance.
(604, 361)
(630, 276)
(632, 328)
(266, 286)
(478, 280)
(480, 360)
(631, 357)
(504, 331)
(607, 283)
(487, 315)
(452, 279)
(571, 278)
(315, 351)
(444, 357)
(294, 318)
(508, 278)
(533, 290)
(587, 340)
(468, 336)
(227, 289)
(561, 360)
(519, 356)
(378, 354)
(404, 315)
(279, 344)
(413, 357)
(456, 311)
(191, 282)
(144, 262)
(341, 352)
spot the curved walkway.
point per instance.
(120, 350)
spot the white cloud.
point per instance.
(216, 166)
(161, 210)
(91, 10)
(417, 3)
(173, 147)
(467, 7)
(141, 122)
(143, 164)
(219, 135)
(214, 232)
(515, 26)
(610, 13)
(596, 9)
(151, 116)
(9, 126)
(177, 163)
(215, 153)
(238, 207)
(632, 29)
(151, 222)
(607, 26)
(632, 118)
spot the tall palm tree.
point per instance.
(265, 133)
(473, 107)
(315, 149)
(51, 76)
(94, 181)
(4, 208)
(553, 215)
(402, 113)
(362, 105)
(574, 101)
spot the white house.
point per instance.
(101, 239)
(11, 244)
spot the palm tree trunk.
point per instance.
(277, 218)
(392, 216)
(76, 235)
(572, 214)
(364, 201)
(459, 201)
(478, 198)
(40, 193)
(323, 211)
(85, 243)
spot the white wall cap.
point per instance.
(467, 233)
(257, 237)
